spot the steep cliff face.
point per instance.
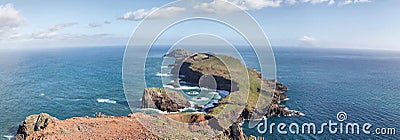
(193, 76)
(32, 124)
(163, 100)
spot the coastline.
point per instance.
(234, 131)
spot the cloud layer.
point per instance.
(153, 13)
(222, 7)
(62, 26)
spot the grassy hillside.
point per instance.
(231, 68)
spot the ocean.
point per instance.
(70, 82)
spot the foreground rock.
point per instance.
(32, 124)
(84, 128)
(110, 127)
(164, 100)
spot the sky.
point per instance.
(370, 24)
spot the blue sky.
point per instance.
(372, 24)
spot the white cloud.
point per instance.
(307, 39)
(94, 25)
(314, 1)
(347, 2)
(217, 6)
(51, 35)
(62, 26)
(331, 2)
(153, 13)
(221, 6)
(10, 20)
(259, 4)
(44, 35)
(291, 2)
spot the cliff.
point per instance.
(164, 100)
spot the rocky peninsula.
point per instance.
(190, 67)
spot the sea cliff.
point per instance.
(190, 67)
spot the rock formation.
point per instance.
(164, 100)
(32, 124)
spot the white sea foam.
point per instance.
(162, 74)
(192, 93)
(201, 99)
(42, 94)
(188, 87)
(191, 109)
(106, 101)
(169, 86)
(8, 137)
(153, 111)
(181, 87)
(215, 93)
(164, 67)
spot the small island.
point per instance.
(190, 67)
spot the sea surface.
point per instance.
(70, 82)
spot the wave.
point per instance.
(189, 109)
(67, 99)
(214, 93)
(169, 86)
(9, 137)
(153, 111)
(163, 74)
(188, 87)
(42, 94)
(193, 93)
(106, 101)
(201, 99)
(181, 87)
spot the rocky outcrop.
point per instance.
(179, 53)
(275, 108)
(158, 98)
(85, 128)
(32, 124)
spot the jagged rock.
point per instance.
(281, 87)
(234, 132)
(32, 124)
(158, 98)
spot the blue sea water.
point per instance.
(69, 82)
